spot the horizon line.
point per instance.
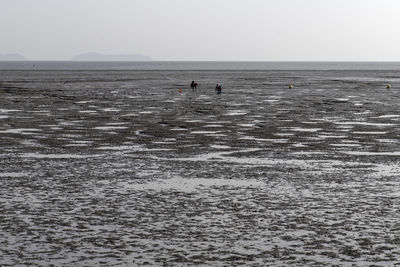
(186, 60)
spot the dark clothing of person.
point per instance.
(193, 85)
(218, 88)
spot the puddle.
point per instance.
(327, 136)
(387, 140)
(194, 121)
(299, 145)
(111, 110)
(372, 133)
(57, 156)
(365, 123)
(284, 134)
(21, 131)
(298, 129)
(388, 116)
(106, 128)
(250, 125)
(116, 123)
(87, 111)
(133, 148)
(278, 141)
(366, 153)
(220, 147)
(236, 113)
(13, 174)
(205, 132)
(68, 123)
(9, 110)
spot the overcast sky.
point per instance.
(260, 30)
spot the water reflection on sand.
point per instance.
(114, 169)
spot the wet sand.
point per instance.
(117, 168)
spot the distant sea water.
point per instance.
(196, 65)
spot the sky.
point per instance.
(216, 30)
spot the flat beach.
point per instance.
(118, 168)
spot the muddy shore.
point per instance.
(117, 168)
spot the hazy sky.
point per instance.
(203, 29)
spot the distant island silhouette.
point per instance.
(91, 56)
(12, 57)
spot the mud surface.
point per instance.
(117, 168)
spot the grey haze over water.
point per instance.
(196, 65)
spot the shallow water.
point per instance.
(117, 168)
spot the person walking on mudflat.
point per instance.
(218, 88)
(194, 85)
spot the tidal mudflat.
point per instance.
(117, 168)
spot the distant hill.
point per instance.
(100, 57)
(12, 57)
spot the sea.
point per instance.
(198, 65)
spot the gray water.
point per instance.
(197, 65)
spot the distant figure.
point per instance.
(218, 88)
(194, 85)
(180, 90)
